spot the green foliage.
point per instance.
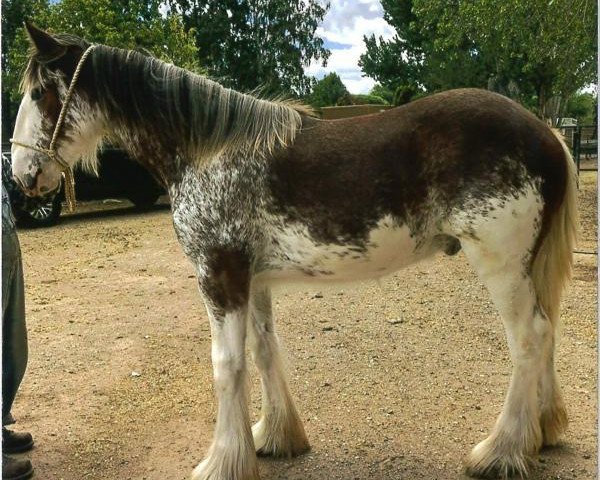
(331, 91)
(383, 92)
(544, 48)
(250, 44)
(414, 57)
(328, 91)
(530, 50)
(361, 99)
(126, 24)
(404, 94)
(344, 100)
(582, 106)
(14, 43)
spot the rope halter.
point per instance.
(51, 152)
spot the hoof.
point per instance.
(279, 443)
(217, 467)
(491, 461)
(288, 451)
(554, 422)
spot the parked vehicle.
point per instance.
(119, 177)
(566, 122)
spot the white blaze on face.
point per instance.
(37, 173)
(28, 163)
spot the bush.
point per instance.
(582, 106)
(367, 100)
(328, 91)
(404, 94)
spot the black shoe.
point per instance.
(14, 442)
(14, 469)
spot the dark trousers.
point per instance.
(14, 331)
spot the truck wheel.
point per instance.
(42, 214)
(143, 200)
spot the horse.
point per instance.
(262, 192)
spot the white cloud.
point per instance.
(353, 34)
(345, 24)
(362, 85)
(342, 60)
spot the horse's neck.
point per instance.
(161, 160)
(190, 119)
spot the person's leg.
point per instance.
(14, 339)
(16, 468)
(14, 357)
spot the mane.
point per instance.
(189, 114)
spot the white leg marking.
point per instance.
(553, 413)
(231, 455)
(517, 433)
(279, 432)
(497, 246)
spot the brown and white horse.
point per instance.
(263, 193)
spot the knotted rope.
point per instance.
(51, 152)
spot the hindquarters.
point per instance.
(525, 207)
(519, 239)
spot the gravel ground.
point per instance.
(395, 379)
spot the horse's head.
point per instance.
(37, 159)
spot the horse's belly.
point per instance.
(299, 257)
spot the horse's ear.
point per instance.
(45, 44)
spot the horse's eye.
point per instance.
(37, 94)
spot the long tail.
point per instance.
(553, 263)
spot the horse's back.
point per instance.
(415, 164)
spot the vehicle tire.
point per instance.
(42, 214)
(143, 200)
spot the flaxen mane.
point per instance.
(171, 105)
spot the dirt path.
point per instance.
(394, 380)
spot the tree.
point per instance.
(250, 44)
(328, 91)
(331, 91)
(582, 106)
(405, 94)
(131, 24)
(344, 100)
(413, 58)
(545, 48)
(530, 50)
(387, 94)
(127, 24)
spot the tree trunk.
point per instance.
(542, 101)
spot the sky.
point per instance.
(342, 30)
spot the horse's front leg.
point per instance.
(224, 282)
(279, 432)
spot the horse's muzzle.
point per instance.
(31, 187)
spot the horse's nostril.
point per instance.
(29, 180)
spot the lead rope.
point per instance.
(66, 169)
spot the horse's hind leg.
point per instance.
(279, 432)
(498, 247)
(517, 433)
(553, 414)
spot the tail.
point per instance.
(553, 263)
